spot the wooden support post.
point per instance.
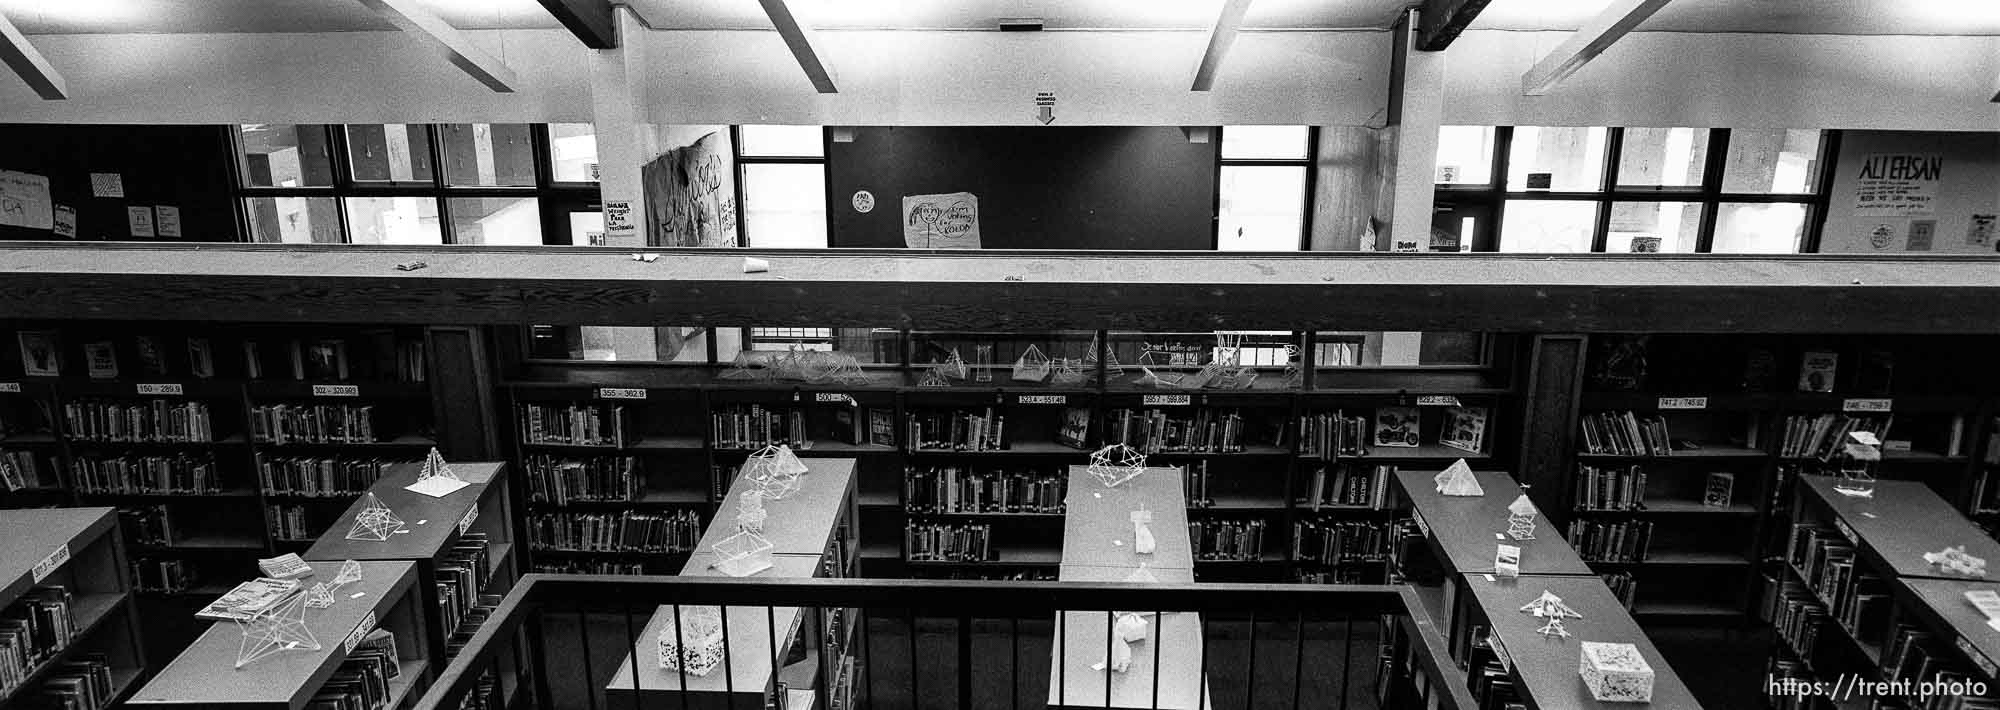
(1554, 382)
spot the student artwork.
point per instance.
(1200, 378)
(1111, 366)
(319, 596)
(1550, 606)
(982, 356)
(1149, 378)
(1126, 629)
(775, 470)
(1521, 519)
(436, 478)
(750, 513)
(1142, 534)
(1956, 561)
(1616, 673)
(1861, 451)
(1032, 366)
(1066, 373)
(745, 367)
(1142, 575)
(275, 629)
(1115, 464)
(742, 554)
(350, 572)
(1457, 480)
(1228, 348)
(954, 365)
(1295, 376)
(694, 643)
(936, 376)
(1237, 379)
(840, 369)
(375, 522)
(1506, 561)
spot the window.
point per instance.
(1262, 186)
(782, 175)
(474, 183)
(1465, 155)
(1547, 226)
(1559, 159)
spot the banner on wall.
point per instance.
(691, 196)
(1898, 184)
(947, 221)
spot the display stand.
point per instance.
(77, 549)
(206, 676)
(1544, 668)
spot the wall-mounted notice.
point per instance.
(167, 220)
(1980, 233)
(864, 201)
(107, 185)
(1922, 233)
(65, 218)
(140, 219)
(947, 221)
(24, 201)
(1898, 184)
(618, 218)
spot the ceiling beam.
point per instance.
(30, 64)
(1596, 35)
(589, 20)
(800, 39)
(651, 13)
(1440, 21)
(1219, 39)
(415, 20)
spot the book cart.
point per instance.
(70, 564)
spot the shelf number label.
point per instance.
(14, 387)
(360, 631)
(48, 565)
(465, 523)
(620, 393)
(1846, 531)
(161, 389)
(1437, 400)
(834, 397)
(1168, 400)
(1683, 403)
(1417, 517)
(1043, 399)
(1978, 658)
(1866, 405)
(336, 391)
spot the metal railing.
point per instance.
(559, 641)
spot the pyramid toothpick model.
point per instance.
(1550, 606)
(954, 366)
(277, 628)
(1521, 518)
(1553, 629)
(1116, 464)
(375, 522)
(1032, 366)
(934, 377)
(1457, 480)
(435, 467)
(1066, 372)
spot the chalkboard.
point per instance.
(186, 167)
(1038, 187)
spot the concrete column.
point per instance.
(617, 96)
(1420, 95)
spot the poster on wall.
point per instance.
(947, 221)
(24, 201)
(1922, 233)
(1980, 232)
(1898, 184)
(691, 196)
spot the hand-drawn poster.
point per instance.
(947, 221)
(1898, 184)
(691, 196)
(24, 201)
(1980, 232)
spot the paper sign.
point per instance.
(1540, 181)
(24, 201)
(1683, 403)
(834, 397)
(168, 220)
(465, 523)
(1986, 600)
(107, 185)
(1922, 233)
(1437, 400)
(946, 221)
(336, 391)
(1043, 399)
(10, 387)
(1898, 184)
(1865, 437)
(1499, 651)
(360, 631)
(174, 389)
(436, 486)
(620, 393)
(618, 218)
(1980, 232)
(864, 201)
(1866, 405)
(141, 221)
(1846, 530)
(65, 221)
(1168, 400)
(50, 562)
(285, 566)
(1417, 517)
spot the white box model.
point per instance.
(701, 628)
(1616, 673)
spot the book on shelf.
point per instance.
(360, 683)
(1329, 435)
(33, 629)
(948, 542)
(962, 489)
(608, 425)
(82, 684)
(326, 360)
(1194, 483)
(1333, 542)
(1610, 487)
(151, 421)
(248, 598)
(282, 424)
(147, 524)
(754, 426)
(1202, 430)
(171, 474)
(1464, 429)
(152, 355)
(163, 576)
(20, 470)
(1822, 436)
(1920, 657)
(1075, 429)
(41, 355)
(1227, 540)
(560, 480)
(1858, 600)
(1399, 426)
(1796, 616)
(625, 531)
(201, 358)
(1720, 490)
(958, 430)
(1817, 369)
(462, 575)
(881, 427)
(1623, 585)
(1349, 484)
(293, 522)
(1624, 433)
(1611, 540)
(101, 359)
(320, 477)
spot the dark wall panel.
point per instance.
(1038, 188)
(176, 166)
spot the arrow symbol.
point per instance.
(1045, 114)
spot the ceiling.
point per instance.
(1916, 17)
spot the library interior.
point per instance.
(1328, 354)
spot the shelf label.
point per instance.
(14, 387)
(336, 391)
(48, 565)
(620, 393)
(360, 631)
(465, 523)
(161, 389)
(1042, 399)
(1418, 517)
(1499, 651)
(1437, 400)
(1978, 659)
(1168, 400)
(1846, 531)
(835, 397)
(1866, 405)
(1683, 403)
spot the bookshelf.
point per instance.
(1543, 671)
(387, 597)
(79, 551)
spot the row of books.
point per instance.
(321, 359)
(146, 524)
(362, 681)
(33, 629)
(1920, 657)
(1348, 485)
(312, 424)
(292, 522)
(319, 477)
(1623, 585)
(958, 430)
(875, 426)
(1329, 435)
(1491, 685)
(81, 684)
(754, 426)
(1610, 487)
(1795, 614)
(627, 531)
(559, 479)
(163, 576)
(589, 567)
(1624, 433)
(948, 542)
(1855, 599)
(1195, 478)
(154, 421)
(1611, 541)
(462, 574)
(577, 425)
(1820, 436)
(1202, 430)
(960, 489)
(180, 474)
(20, 470)
(1333, 542)
(1230, 540)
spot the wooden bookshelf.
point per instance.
(1463, 530)
(1544, 669)
(78, 549)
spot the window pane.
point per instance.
(784, 205)
(586, 228)
(393, 220)
(277, 155)
(1775, 228)
(1548, 226)
(1653, 227)
(607, 343)
(488, 154)
(1263, 208)
(1662, 157)
(573, 148)
(867, 345)
(293, 220)
(1338, 349)
(1563, 159)
(496, 220)
(1264, 142)
(1465, 155)
(1771, 161)
(783, 141)
(396, 152)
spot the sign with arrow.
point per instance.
(1045, 107)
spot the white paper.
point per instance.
(436, 486)
(65, 221)
(1898, 184)
(24, 201)
(618, 217)
(107, 185)
(168, 220)
(946, 221)
(141, 221)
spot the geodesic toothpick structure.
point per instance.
(1116, 464)
(319, 596)
(277, 628)
(350, 572)
(375, 522)
(1521, 519)
(775, 470)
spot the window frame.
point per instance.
(744, 161)
(554, 200)
(1306, 208)
(1708, 197)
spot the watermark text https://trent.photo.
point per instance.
(1849, 687)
